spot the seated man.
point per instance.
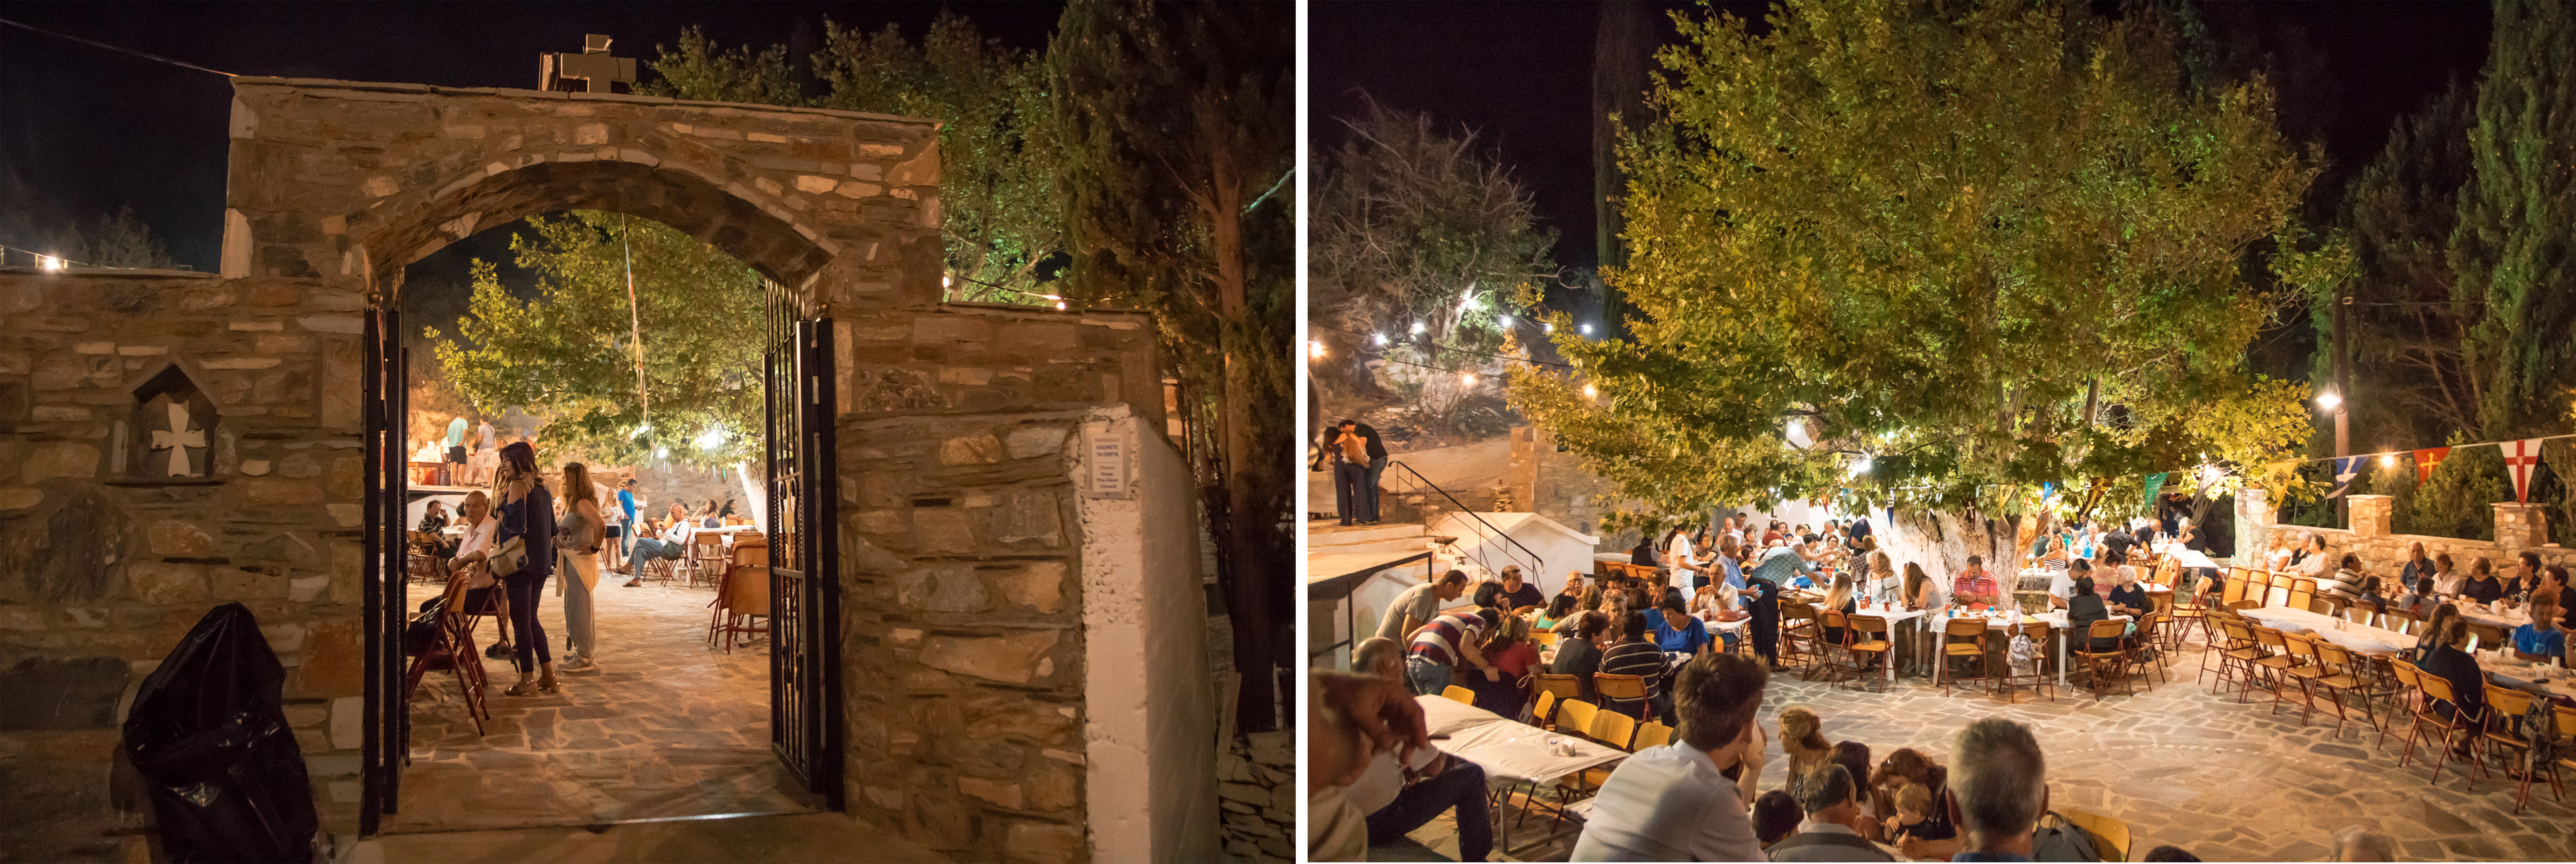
(1510, 595)
(1998, 789)
(1832, 804)
(673, 543)
(1976, 588)
(1404, 791)
(1674, 802)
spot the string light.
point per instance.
(1587, 329)
(48, 262)
(2328, 400)
(1381, 340)
(1417, 328)
(1467, 378)
(1506, 321)
(1549, 327)
(1590, 391)
(1315, 349)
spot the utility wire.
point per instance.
(98, 44)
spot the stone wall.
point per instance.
(964, 663)
(2519, 528)
(1259, 794)
(1556, 485)
(106, 561)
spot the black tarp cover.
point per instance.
(209, 735)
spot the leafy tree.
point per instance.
(1000, 216)
(119, 239)
(566, 356)
(2405, 330)
(2514, 249)
(1980, 247)
(1179, 128)
(1411, 224)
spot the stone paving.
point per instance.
(668, 727)
(2227, 782)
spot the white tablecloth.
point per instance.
(2357, 637)
(2507, 619)
(1506, 749)
(2525, 676)
(2186, 557)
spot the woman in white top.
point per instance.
(2317, 564)
(471, 550)
(2279, 556)
(1678, 558)
(2446, 581)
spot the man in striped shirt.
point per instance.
(1636, 654)
(1446, 643)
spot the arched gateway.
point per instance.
(972, 486)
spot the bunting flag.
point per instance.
(2155, 484)
(2425, 459)
(2519, 458)
(2345, 469)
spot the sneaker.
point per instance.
(578, 666)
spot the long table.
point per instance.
(2527, 677)
(1507, 749)
(2362, 638)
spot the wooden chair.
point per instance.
(2276, 658)
(1563, 687)
(2040, 677)
(2483, 636)
(1613, 729)
(704, 559)
(1460, 695)
(2457, 730)
(1833, 631)
(2110, 836)
(1543, 639)
(2343, 674)
(2361, 613)
(2305, 668)
(2239, 580)
(1574, 717)
(2234, 647)
(2302, 594)
(743, 594)
(1652, 734)
(1616, 690)
(2155, 632)
(1540, 715)
(2402, 621)
(1865, 638)
(2104, 665)
(454, 646)
(2279, 593)
(1974, 631)
(1797, 632)
(2507, 706)
(2242, 605)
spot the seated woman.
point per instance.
(2483, 586)
(2085, 607)
(2128, 597)
(2453, 664)
(2447, 581)
(1511, 653)
(2542, 640)
(1556, 611)
(1675, 631)
(2431, 633)
(1915, 791)
(1840, 599)
(1802, 737)
(1578, 650)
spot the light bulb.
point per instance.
(946, 280)
(1315, 349)
(1467, 378)
(661, 452)
(1417, 328)
(2328, 400)
(1381, 340)
(1549, 327)
(1506, 321)
(1587, 329)
(1059, 305)
(2388, 461)
(1590, 391)
(48, 262)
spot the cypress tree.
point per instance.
(2514, 249)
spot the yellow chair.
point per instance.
(1614, 729)
(1653, 734)
(1618, 689)
(1574, 716)
(1460, 695)
(2110, 836)
(1539, 715)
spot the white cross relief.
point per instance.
(178, 439)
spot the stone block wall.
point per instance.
(961, 560)
(1258, 791)
(105, 561)
(2519, 528)
(1556, 485)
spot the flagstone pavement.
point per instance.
(670, 727)
(2226, 782)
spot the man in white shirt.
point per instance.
(1415, 608)
(671, 545)
(1678, 555)
(1670, 803)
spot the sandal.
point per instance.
(637, 582)
(546, 685)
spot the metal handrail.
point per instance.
(1538, 565)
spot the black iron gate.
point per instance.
(388, 719)
(805, 620)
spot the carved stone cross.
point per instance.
(593, 67)
(178, 439)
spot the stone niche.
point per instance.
(171, 433)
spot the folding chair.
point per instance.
(1652, 734)
(1617, 689)
(2039, 633)
(453, 645)
(2276, 657)
(2305, 668)
(2110, 836)
(1974, 631)
(2484, 636)
(2459, 729)
(1460, 695)
(1865, 636)
(2508, 705)
(743, 593)
(2112, 662)
(2343, 676)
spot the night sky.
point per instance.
(1521, 74)
(86, 130)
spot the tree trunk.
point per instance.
(1253, 599)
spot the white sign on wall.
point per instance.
(1105, 465)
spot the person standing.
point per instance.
(1349, 455)
(576, 543)
(1680, 556)
(612, 537)
(527, 515)
(456, 451)
(487, 455)
(1376, 450)
(628, 502)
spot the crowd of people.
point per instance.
(1696, 798)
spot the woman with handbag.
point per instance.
(523, 560)
(577, 541)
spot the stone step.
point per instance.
(1328, 534)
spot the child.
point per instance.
(1913, 805)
